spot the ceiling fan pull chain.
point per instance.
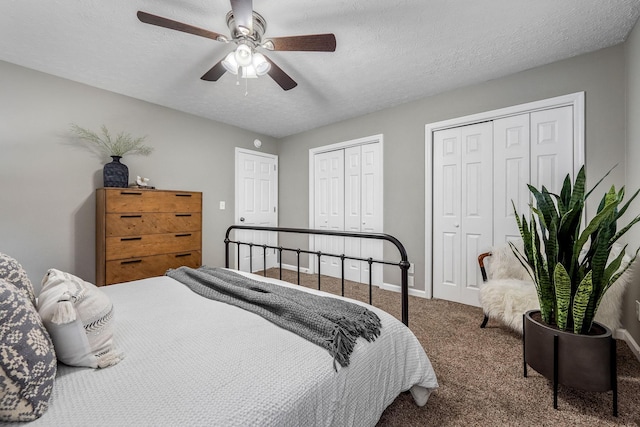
(246, 87)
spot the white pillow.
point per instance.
(79, 318)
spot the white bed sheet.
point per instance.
(193, 361)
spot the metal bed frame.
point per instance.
(403, 263)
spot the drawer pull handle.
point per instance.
(183, 235)
(130, 216)
(133, 261)
(130, 193)
(183, 195)
(125, 239)
(183, 214)
(183, 255)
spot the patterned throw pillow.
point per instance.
(27, 360)
(12, 272)
(79, 318)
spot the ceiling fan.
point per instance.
(247, 29)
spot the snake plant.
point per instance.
(570, 275)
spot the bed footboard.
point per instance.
(403, 264)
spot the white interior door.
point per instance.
(329, 208)
(256, 204)
(463, 204)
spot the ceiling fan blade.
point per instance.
(243, 15)
(214, 73)
(148, 18)
(312, 42)
(280, 76)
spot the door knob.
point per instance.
(456, 225)
(241, 219)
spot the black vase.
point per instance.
(115, 174)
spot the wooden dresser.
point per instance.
(142, 233)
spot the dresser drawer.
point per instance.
(143, 267)
(124, 200)
(151, 244)
(132, 224)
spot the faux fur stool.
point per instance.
(509, 292)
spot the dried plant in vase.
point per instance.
(115, 174)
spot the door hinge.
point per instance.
(274, 209)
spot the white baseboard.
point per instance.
(623, 334)
(396, 288)
(295, 268)
(385, 286)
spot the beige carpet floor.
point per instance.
(480, 371)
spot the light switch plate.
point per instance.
(222, 205)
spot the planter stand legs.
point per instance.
(614, 377)
(612, 366)
(555, 372)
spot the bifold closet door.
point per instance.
(329, 209)
(463, 204)
(534, 148)
(511, 171)
(363, 210)
(551, 147)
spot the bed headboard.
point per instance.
(403, 264)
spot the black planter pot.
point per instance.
(115, 174)
(586, 362)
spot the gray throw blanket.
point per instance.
(331, 323)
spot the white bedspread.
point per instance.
(193, 361)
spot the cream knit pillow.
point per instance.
(79, 318)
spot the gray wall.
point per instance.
(633, 171)
(47, 182)
(600, 75)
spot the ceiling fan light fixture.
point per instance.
(249, 72)
(229, 63)
(268, 44)
(243, 55)
(260, 64)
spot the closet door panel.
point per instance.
(353, 209)
(551, 147)
(477, 205)
(372, 207)
(329, 208)
(511, 175)
(446, 214)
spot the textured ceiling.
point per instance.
(388, 52)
